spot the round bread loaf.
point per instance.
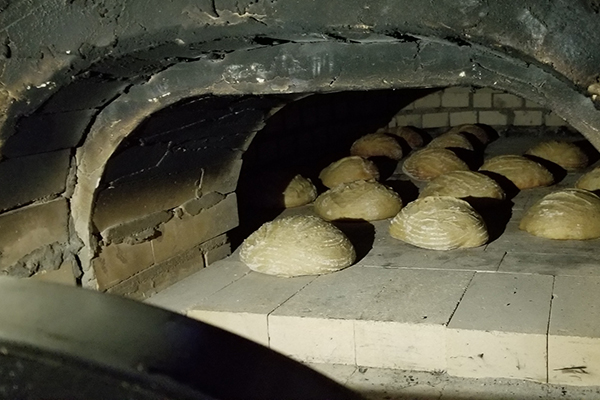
(299, 192)
(521, 171)
(427, 164)
(297, 245)
(590, 181)
(474, 130)
(410, 134)
(439, 223)
(377, 144)
(566, 154)
(463, 184)
(364, 200)
(566, 214)
(348, 169)
(450, 139)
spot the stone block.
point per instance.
(433, 100)
(435, 120)
(42, 133)
(492, 118)
(30, 228)
(552, 119)
(160, 276)
(464, 117)
(180, 234)
(409, 120)
(532, 104)
(528, 118)
(216, 249)
(136, 231)
(26, 179)
(318, 340)
(64, 275)
(573, 360)
(194, 206)
(506, 100)
(571, 263)
(118, 262)
(84, 94)
(493, 354)
(454, 99)
(221, 178)
(388, 344)
(247, 325)
(134, 160)
(482, 99)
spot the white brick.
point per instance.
(531, 104)
(386, 344)
(482, 100)
(452, 99)
(464, 117)
(435, 120)
(528, 118)
(506, 100)
(492, 118)
(433, 100)
(409, 120)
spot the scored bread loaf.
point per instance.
(566, 154)
(410, 134)
(451, 139)
(299, 192)
(377, 144)
(463, 184)
(361, 200)
(439, 223)
(474, 130)
(590, 181)
(521, 171)
(427, 164)
(566, 214)
(297, 245)
(348, 169)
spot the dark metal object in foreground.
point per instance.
(59, 342)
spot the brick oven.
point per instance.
(128, 132)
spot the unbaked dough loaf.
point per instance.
(365, 200)
(463, 184)
(377, 144)
(439, 223)
(566, 154)
(427, 164)
(590, 181)
(348, 169)
(475, 130)
(297, 245)
(450, 139)
(299, 192)
(521, 171)
(410, 134)
(566, 214)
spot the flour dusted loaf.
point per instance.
(410, 134)
(348, 169)
(427, 164)
(565, 214)
(364, 200)
(299, 192)
(521, 171)
(297, 245)
(463, 184)
(566, 154)
(450, 139)
(377, 144)
(474, 130)
(590, 181)
(439, 223)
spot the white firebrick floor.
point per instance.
(520, 307)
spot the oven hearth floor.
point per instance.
(520, 307)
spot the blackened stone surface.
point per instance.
(43, 133)
(84, 94)
(139, 230)
(26, 179)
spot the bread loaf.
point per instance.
(377, 145)
(450, 139)
(410, 134)
(566, 154)
(361, 200)
(566, 214)
(590, 181)
(439, 223)
(299, 192)
(297, 245)
(474, 130)
(463, 184)
(521, 171)
(348, 169)
(427, 164)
